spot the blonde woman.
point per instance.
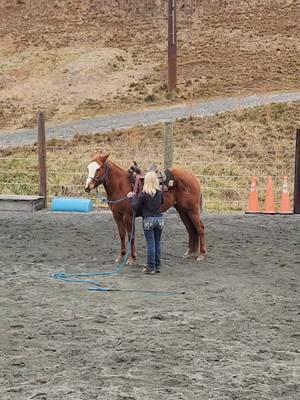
(149, 202)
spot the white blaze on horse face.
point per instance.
(92, 168)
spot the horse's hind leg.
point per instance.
(199, 227)
(193, 236)
(203, 251)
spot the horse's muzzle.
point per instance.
(89, 188)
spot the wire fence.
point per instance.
(225, 177)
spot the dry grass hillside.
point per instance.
(76, 59)
(224, 152)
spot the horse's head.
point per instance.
(98, 172)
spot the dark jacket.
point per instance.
(148, 206)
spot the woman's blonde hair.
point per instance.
(151, 184)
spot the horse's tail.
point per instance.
(201, 203)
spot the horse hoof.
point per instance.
(119, 259)
(201, 257)
(187, 254)
(130, 261)
(190, 255)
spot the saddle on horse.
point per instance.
(136, 176)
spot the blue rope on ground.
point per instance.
(166, 293)
(69, 278)
(62, 276)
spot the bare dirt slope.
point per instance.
(234, 334)
(84, 58)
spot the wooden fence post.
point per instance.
(297, 175)
(42, 157)
(168, 145)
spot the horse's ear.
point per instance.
(98, 158)
(95, 156)
(104, 158)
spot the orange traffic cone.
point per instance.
(285, 204)
(253, 205)
(269, 200)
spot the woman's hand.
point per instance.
(130, 195)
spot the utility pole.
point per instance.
(297, 175)
(172, 47)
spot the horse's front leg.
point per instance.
(128, 220)
(122, 233)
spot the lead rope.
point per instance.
(72, 278)
(105, 200)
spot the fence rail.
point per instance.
(225, 178)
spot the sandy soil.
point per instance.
(234, 334)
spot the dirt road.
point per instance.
(146, 117)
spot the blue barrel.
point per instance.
(71, 204)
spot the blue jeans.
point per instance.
(153, 227)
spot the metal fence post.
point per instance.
(168, 145)
(42, 157)
(297, 175)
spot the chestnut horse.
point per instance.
(184, 196)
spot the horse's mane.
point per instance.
(116, 165)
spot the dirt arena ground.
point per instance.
(234, 334)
